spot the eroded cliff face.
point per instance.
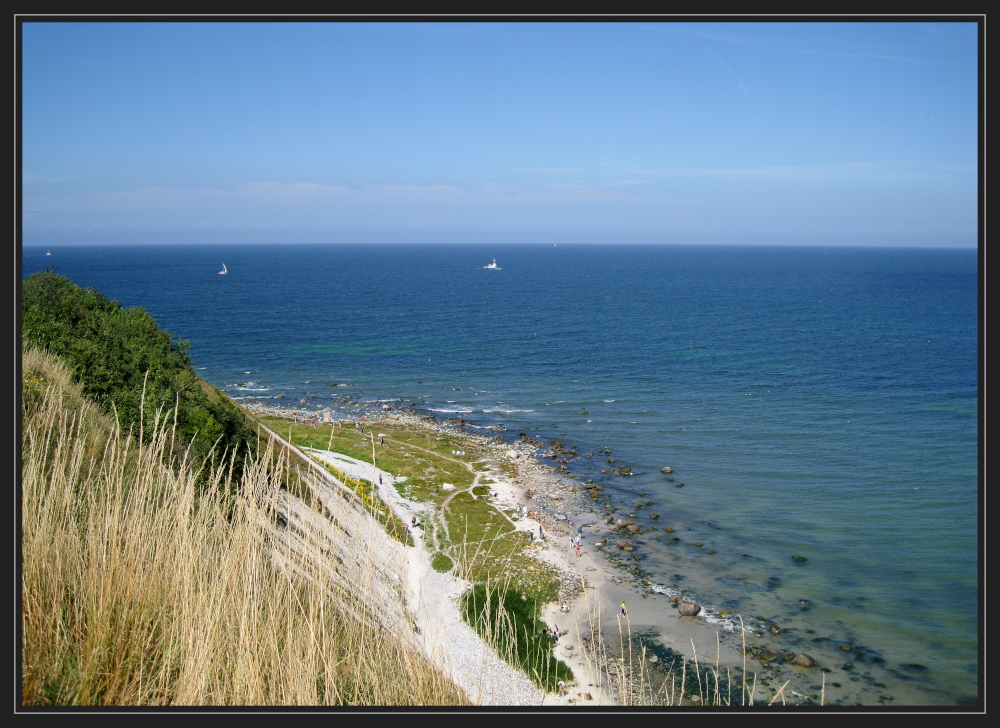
(329, 534)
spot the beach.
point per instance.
(592, 634)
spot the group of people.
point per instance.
(577, 542)
(523, 512)
(554, 633)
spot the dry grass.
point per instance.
(139, 589)
(635, 675)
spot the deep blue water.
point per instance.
(814, 401)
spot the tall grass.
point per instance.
(140, 589)
(509, 623)
(635, 669)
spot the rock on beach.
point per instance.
(688, 609)
(804, 660)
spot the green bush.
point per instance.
(131, 368)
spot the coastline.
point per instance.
(596, 641)
(435, 596)
(891, 605)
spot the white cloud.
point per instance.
(265, 194)
(855, 171)
(28, 178)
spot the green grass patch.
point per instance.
(508, 621)
(474, 519)
(442, 562)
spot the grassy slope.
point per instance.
(139, 589)
(131, 368)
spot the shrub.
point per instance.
(130, 367)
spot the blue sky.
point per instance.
(846, 132)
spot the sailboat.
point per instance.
(492, 266)
(223, 271)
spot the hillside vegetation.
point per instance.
(152, 571)
(139, 588)
(133, 369)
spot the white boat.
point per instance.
(48, 252)
(223, 271)
(492, 266)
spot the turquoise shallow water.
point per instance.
(813, 401)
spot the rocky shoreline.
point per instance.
(545, 497)
(557, 508)
(593, 633)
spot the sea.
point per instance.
(811, 402)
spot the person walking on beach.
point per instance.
(624, 613)
(578, 551)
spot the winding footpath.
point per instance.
(430, 599)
